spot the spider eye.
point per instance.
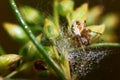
(77, 23)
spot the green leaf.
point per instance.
(50, 29)
(97, 31)
(65, 7)
(81, 13)
(29, 51)
(97, 28)
(7, 60)
(16, 32)
(94, 14)
(31, 15)
(52, 51)
(110, 20)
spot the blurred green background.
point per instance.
(6, 15)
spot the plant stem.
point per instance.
(69, 21)
(107, 45)
(21, 68)
(40, 48)
(56, 16)
(11, 74)
(65, 63)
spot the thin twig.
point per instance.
(104, 45)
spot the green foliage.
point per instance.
(50, 29)
(81, 13)
(31, 15)
(46, 46)
(65, 7)
(7, 61)
(16, 32)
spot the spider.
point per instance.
(81, 34)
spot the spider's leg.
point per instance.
(96, 32)
(82, 44)
(89, 30)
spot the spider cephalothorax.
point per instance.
(81, 33)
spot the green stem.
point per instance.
(40, 48)
(56, 16)
(65, 64)
(12, 74)
(69, 21)
(104, 45)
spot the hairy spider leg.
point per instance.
(93, 31)
(81, 44)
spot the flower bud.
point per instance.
(16, 32)
(65, 7)
(31, 15)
